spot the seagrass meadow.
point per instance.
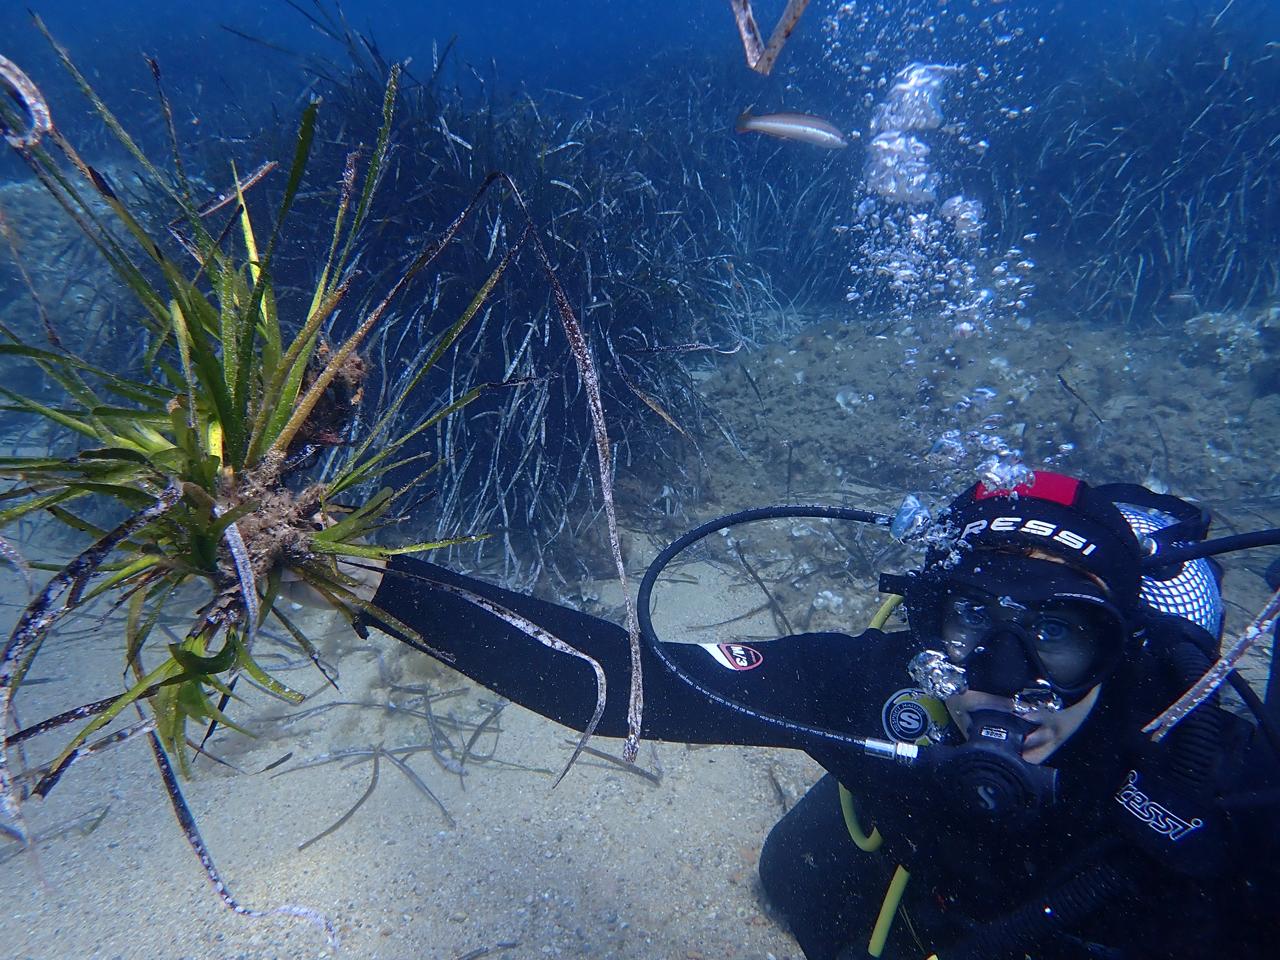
(288, 290)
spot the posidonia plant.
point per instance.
(208, 449)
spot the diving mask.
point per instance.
(1034, 630)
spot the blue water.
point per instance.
(576, 46)
(600, 46)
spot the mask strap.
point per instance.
(1191, 522)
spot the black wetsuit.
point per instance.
(1097, 874)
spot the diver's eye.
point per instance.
(1053, 630)
(971, 614)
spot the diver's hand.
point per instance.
(367, 574)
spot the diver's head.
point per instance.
(1033, 593)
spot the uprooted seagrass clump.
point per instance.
(208, 450)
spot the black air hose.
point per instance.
(1035, 922)
(1196, 743)
(1251, 700)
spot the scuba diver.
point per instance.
(1007, 802)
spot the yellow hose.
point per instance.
(872, 841)
(888, 909)
(886, 608)
(867, 843)
(893, 896)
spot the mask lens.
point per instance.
(966, 621)
(1067, 639)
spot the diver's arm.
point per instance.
(433, 601)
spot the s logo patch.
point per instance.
(911, 716)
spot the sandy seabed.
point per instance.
(607, 864)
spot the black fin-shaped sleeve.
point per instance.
(790, 678)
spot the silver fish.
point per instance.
(793, 126)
